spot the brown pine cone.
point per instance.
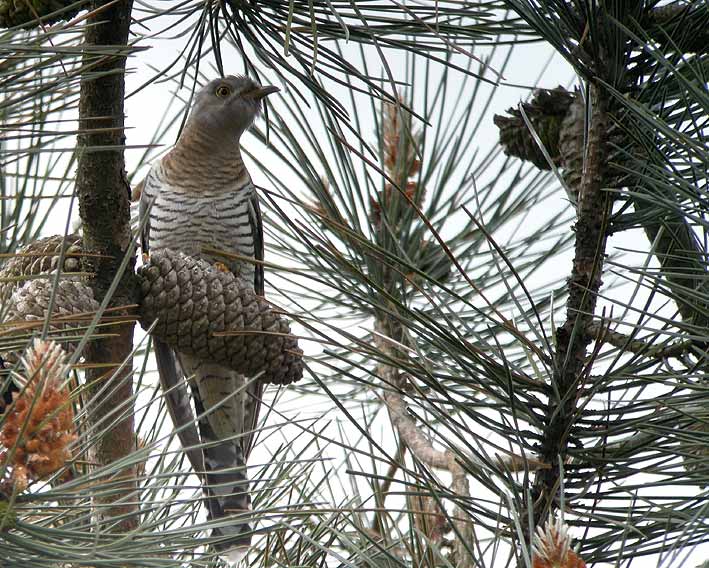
(545, 111)
(40, 257)
(24, 13)
(26, 296)
(193, 303)
(30, 302)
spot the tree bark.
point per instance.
(574, 337)
(104, 204)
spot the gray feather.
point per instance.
(220, 399)
(178, 403)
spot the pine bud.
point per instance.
(39, 425)
(552, 547)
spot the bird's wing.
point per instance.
(257, 231)
(178, 404)
(171, 377)
(149, 188)
(255, 389)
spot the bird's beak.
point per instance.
(261, 92)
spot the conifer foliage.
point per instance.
(498, 284)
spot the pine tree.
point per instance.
(505, 339)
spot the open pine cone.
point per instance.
(40, 257)
(26, 283)
(216, 316)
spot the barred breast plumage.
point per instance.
(212, 220)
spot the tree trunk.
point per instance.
(104, 205)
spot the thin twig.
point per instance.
(417, 443)
(385, 486)
(439, 459)
(638, 346)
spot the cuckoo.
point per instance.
(199, 199)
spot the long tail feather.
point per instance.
(220, 400)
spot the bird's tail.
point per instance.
(220, 400)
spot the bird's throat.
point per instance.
(207, 160)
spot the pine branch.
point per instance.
(681, 257)
(639, 346)
(104, 202)
(680, 24)
(573, 338)
(557, 118)
(428, 455)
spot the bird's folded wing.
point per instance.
(178, 403)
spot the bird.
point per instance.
(199, 199)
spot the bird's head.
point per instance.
(229, 105)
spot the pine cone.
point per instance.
(191, 299)
(25, 12)
(27, 297)
(30, 302)
(545, 111)
(40, 257)
(193, 303)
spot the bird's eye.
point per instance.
(222, 91)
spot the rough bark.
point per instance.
(104, 204)
(573, 338)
